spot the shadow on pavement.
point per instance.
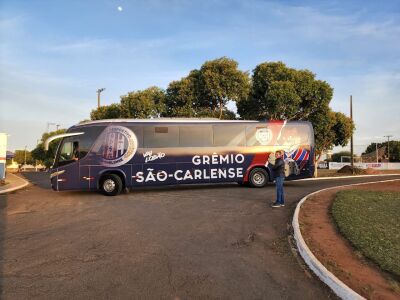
(41, 179)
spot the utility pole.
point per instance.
(25, 157)
(351, 140)
(98, 96)
(388, 137)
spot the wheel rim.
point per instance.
(258, 178)
(109, 185)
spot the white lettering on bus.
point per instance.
(197, 174)
(139, 177)
(216, 159)
(241, 160)
(196, 160)
(176, 175)
(150, 176)
(188, 175)
(162, 176)
(222, 173)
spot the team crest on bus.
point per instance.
(264, 135)
(119, 146)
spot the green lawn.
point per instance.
(371, 221)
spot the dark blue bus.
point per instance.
(112, 155)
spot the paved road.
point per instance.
(212, 242)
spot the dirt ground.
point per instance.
(337, 254)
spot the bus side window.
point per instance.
(160, 136)
(138, 131)
(229, 135)
(195, 136)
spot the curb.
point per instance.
(336, 285)
(16, 187)
(351, 176)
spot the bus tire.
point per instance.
(110, 184)
(258, 177)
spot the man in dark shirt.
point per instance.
(279, 174)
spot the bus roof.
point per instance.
(173, 120)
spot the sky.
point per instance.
(54, 55)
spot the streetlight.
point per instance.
(98, 96)
(388, 137)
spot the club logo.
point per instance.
(119, 146)
(264, 136)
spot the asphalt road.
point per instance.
(202, 242)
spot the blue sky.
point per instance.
(55, 54)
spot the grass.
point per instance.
(370, 220)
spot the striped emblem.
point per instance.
(300, 156)
(119, 146)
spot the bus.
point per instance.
(115, 155)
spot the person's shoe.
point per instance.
(282, 205)
(275, 205)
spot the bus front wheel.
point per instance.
(110, 184)
(258, 177)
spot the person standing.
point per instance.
(279, 174)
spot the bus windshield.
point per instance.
(74, 148)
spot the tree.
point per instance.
(394, 149)
(47, 157)
(182, 97)
(149, 103)
(282, 93)
(20, 157)
(112, 111)
(221, 81)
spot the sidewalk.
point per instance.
(14, 183)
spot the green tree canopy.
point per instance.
(47, 157)
(394, 149)
(19, 157)
(282, 93)
(182, 97)
(221, 81)
(112, 111)
(149, 103)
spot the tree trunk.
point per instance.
(220, 110)
(317, 157)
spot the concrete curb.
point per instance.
(16, 187)
(337, 286)
(344, 177)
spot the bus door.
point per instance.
(68, 165)
(86, 179)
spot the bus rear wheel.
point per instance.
(258, 177)
(110, 185)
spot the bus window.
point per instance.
(195, 136)
(259, 135)
(88, 138)
(229, 135)
(138, 131)
(160, 136)
(69, 151)
(294, 136)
